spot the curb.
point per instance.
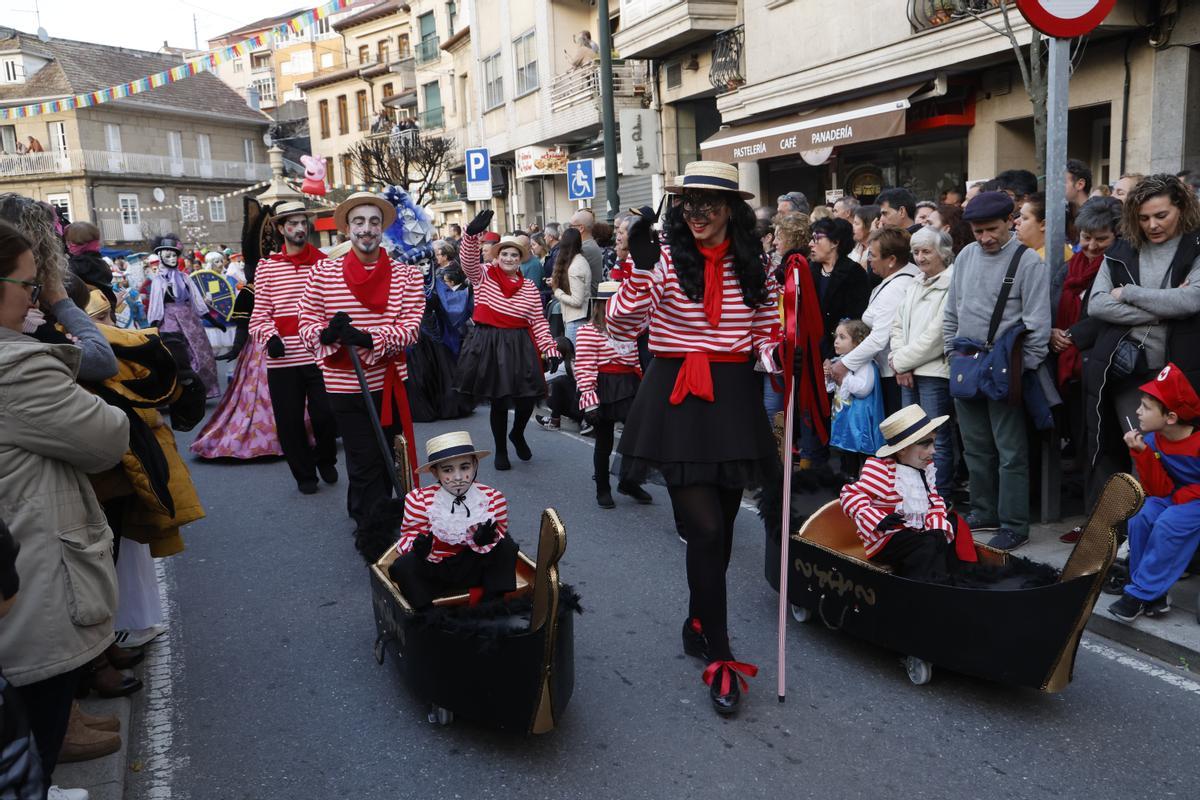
(104, 778)
(1141, 637)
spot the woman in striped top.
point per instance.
(698, 418)
(607, 375)
(500, 359)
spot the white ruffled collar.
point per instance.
(450, 519)
(913, 487)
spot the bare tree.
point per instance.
(418, 164)
(1030, 61)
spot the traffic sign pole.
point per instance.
(1056, 151)
(611, 171)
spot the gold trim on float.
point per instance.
(1092, 555)
(552, 543)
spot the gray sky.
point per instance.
(141, 24)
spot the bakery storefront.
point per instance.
(913, 136)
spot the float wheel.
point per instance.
(920, 672)
(800, 613)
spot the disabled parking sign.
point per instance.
(581, 180)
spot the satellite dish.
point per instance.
(159, 195)
(42, 35)
(267, 140)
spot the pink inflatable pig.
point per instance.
(314, 175)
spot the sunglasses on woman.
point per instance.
(35, 288)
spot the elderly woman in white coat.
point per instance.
(52, 433)
(917, 352)
(571, 281)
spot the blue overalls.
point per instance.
(1163, 536)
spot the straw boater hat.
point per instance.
(715, 176)
(364, 199)
(907, 426)
(338, 250)
(291, 208)
(449, 445)
(605, 290)
(512, 241)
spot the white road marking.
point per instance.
(1174, 679)
(161, 759)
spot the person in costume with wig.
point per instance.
(177, 305)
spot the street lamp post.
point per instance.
(611, 178)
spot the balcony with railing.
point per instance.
(581, 86)
(428, 49)
(657, 28)
(67, 162)
(728, 70)
(926, 14)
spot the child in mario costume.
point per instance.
(1164, 534)
(454, 535)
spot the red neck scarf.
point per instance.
(714, 280)
(371, 287)
(508, 284)
(1081, 271)
(309, 255)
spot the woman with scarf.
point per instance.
(500, 359)
(698, 417)
(1098, 222)
(176, 305)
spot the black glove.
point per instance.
(486, 533)
(643, 244)
(275, 348)
(333, 332)
(156, 323)
(217, 322)
(893, 521)
(422, 545)
(354, 337)
(480, 223)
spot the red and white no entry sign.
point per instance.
(1065, 19)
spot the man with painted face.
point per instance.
(367, 301)
(293, 377)
(176, 306)
(454, 535)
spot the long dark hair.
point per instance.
(569, 246)
(12, 244)
(744, 244)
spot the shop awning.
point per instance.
(866, 119)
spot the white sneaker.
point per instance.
(139, 637)
(67, 794)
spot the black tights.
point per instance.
(522, 411)
(604, 446)
(706, 514)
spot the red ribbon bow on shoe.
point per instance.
(728, 668)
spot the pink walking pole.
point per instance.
(789, 426)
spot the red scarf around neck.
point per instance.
(1081, 271)
(508, 284)
(309, 255)
(371, 287)
(714, 280)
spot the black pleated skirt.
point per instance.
(727, 442)
(616, 392)
(498, 364)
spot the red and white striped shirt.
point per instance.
(278, 287)
(593, 352)
(525, 304)
(391, 331)
(873, 496)
(678, 324)
(420, 517)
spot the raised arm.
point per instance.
(468, 247)
(630, 308)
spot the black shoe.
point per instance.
(501, 461)
(1007, 540)
(725, 702)
(695, 643)
(328, 472)
(519, 444)
(636, 492)
(1157, 607)
(549, 423)
(1127, 609)
(604, 497)
(307, 487)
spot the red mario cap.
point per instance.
(491, 237)
(1174, 390)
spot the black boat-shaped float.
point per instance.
(525, 646)
(1023, 637)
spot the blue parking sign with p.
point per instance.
(479, 166)
(581, 180)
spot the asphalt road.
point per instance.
(274, 693)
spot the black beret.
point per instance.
(988, 206)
